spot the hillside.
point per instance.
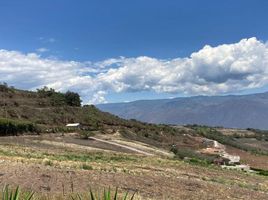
(244, 111)
(48, 111)
(153, 160)
(41, 110)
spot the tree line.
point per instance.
(58, 99)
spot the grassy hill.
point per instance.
(46, 109)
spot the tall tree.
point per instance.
(72, 98)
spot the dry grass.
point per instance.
(56, 172)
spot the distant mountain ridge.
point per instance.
(233, 111)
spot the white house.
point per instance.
(73, 125)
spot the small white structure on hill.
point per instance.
(73, 125)
(232, 159)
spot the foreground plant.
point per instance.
(8, 194)
(107, 195)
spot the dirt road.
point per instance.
(123, 146)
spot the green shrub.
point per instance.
(260, 171)
(86, 167)
(14, 127)
(85, 134)
(192, 156)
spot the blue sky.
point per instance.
(92, 31)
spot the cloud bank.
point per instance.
(212, 70)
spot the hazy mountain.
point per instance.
(241, 111)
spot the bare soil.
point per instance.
(36, 165)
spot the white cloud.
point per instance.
(212, 70)
(42, 50)
(30, 71)
(98, 97)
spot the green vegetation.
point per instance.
(60, 99)
(85, 134)
(86, 167)
(260, 171)
(67, 156)
(15, 127)
(72, 99)
(8, 194)
(106, 195)
(193, 157)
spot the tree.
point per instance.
(57, 99)
(72, 99)
(46, 92)
(4, 87)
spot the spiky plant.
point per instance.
(8, 194)
(107, 195)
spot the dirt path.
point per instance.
(122, 146)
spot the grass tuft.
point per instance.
(107, 195)
(9, 194)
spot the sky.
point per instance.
(125, 50)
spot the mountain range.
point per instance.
(233, 111)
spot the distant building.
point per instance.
(232, 159)
(73, 125)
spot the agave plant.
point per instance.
(107, 195)
(8, 194)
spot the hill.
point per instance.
(241, 111)
(47, 111)
(153, 160)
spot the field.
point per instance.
(58, 165)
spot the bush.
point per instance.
(13, 127)
(260, 171)
(192, 156)
(85, 134)
(86, 167)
